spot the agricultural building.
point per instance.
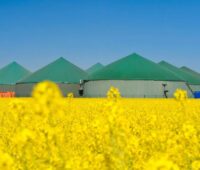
(135, 76)
(61, 71)
(94, 68)
(192, 80)
(10, 74)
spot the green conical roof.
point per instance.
(188, 70)
(12, 73)
(134, 67)
(94, 68)
(60, 71)
(191, 79)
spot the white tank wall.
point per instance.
(25, 90)
(69, 88)
(6, 88)
(195, 87)
(133, 88)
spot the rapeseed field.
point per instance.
(50, 132)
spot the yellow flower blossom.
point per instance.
(161, 164)
(180, 94)
(6, 161)
(70, 95)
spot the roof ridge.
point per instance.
(135, 67)
(62, 69)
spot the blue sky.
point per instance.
(36, 32)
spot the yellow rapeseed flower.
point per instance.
(50, 132)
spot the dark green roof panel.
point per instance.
(134, 67)
(60, 71)
(94, 68)
(189, 70)
(12, 73)
(189, 78)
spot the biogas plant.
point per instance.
(134, 76)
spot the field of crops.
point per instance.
(48, 132)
